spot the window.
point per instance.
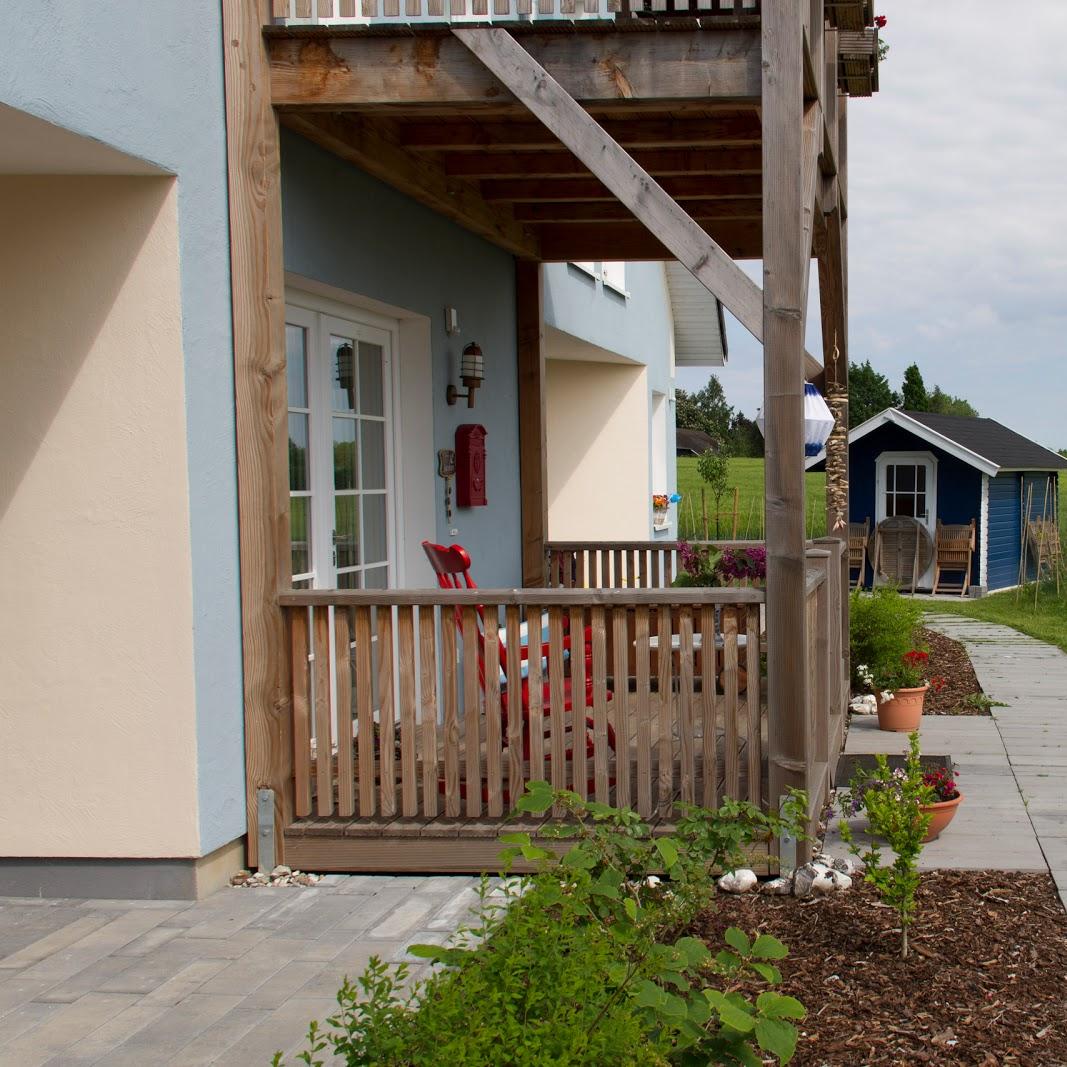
(659, 443)
(905, 490)
(614, 276)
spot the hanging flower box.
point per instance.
(850, 14)
(857, 62)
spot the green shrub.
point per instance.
(882, 627)
(582, 963)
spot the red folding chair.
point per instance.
(452, 567)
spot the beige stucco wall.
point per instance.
(97, 713)
(597, 428)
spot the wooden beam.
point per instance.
(533, 455)
(658, 162)
(613, 211)
(368, 145)
(312, 69)
(784, 261)
(738, 130)
(649, 201)
(258, 295)
(563, 242)
(534, 190)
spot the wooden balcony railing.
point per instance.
(361, 12)
(403, 706)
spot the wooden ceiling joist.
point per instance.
(738, 130)
(369, 146)
(658, 162)
(435, 70)
(632, 241)
(613, 211)
(517, 190)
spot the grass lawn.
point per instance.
(747, 475)
(1015, 608)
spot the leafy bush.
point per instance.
(582, 963)
(893, 800)
(882, 628)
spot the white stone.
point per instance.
(739, 881)
(841, 881)
(781, 887)
(281, 871)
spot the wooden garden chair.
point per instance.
(858, 533)
(954, 548)
(452, 567)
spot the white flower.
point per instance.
(652, 881)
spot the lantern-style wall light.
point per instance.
(818, 421)
(471, 373)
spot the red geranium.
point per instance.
(880, 21)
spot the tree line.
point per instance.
(869, 393)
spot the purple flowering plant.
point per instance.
(705, 565)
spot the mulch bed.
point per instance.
(949, 660)
(986, 982)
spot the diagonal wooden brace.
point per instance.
(534, 87)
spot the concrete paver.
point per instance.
(230, 979)
(1013, 764)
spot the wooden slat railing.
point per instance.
(364, 12)
(618, 564)
(401, 710)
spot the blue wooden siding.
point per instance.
(959, 486)
(1004, 530)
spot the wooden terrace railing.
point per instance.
(362, 12)
(403, 710)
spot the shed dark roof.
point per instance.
(695, 442)
(990, 440)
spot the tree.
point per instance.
(942, 403)
(868, 393)
(745, 438)
(714, 469)
(705, 410)
(913, 392)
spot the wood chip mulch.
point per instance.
(949, 660)
(986, 982)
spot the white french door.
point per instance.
(906, 485)
(342, 524)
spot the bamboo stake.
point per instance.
(704, 510)
(737, 504)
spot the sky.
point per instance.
(957, 215)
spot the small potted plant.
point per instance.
(900, 690)
(661, 503)
(946, 799)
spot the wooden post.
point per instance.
(784, 260)
(533, 464)
(258, 294)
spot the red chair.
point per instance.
(452, 567)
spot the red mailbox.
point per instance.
(470, 466)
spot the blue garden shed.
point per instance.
(953, 469)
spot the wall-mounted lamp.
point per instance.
(346, 367)
(471, 373)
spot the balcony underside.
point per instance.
(418, 111)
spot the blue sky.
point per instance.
(958, 214)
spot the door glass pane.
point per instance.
(920, 478)
(296, 365)
(348, 580)
(343, 373)
(376, 578)
(920, 504)
(298, 453)
(346, 530)
(374, 528)
(373, 439)
(905, 479)
(905, 505)
(890, 477)
(371, 394)
(344, 454)
(300, 534)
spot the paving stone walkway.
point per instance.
(1013, 764)
(230, 979)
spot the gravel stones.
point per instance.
(281, 875)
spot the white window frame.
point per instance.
(613, 275)
(884, 460)
(321, 316)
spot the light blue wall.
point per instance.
(638, 326)
(346, 229)
(147, 79)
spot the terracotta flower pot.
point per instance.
(943, 813)
(903, 713)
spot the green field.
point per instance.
(747, 475)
